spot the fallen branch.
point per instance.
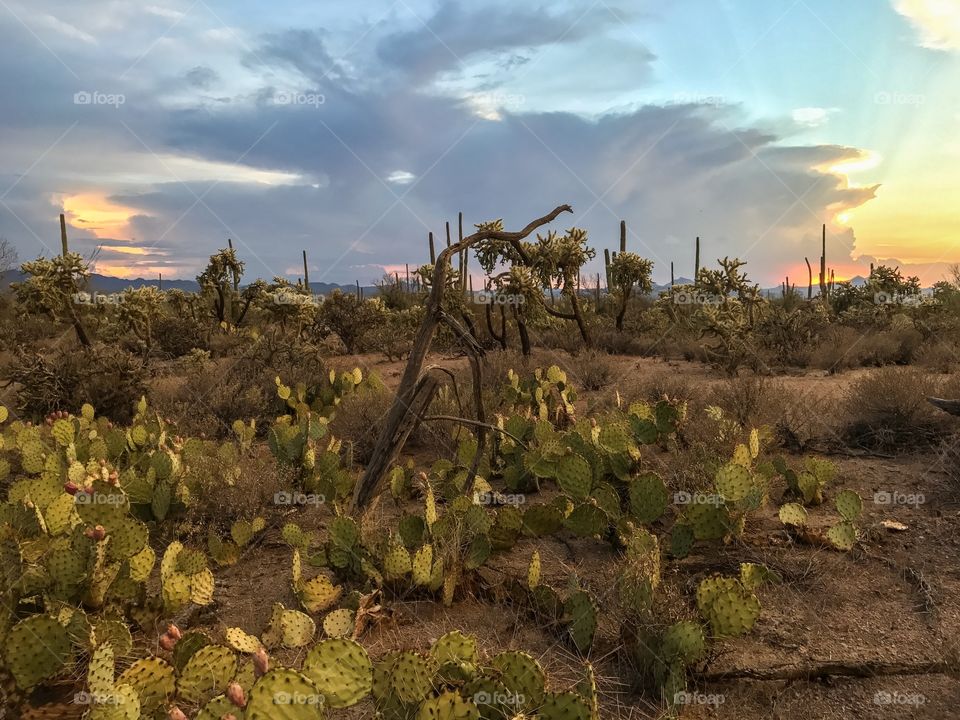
(833, 668)
(477, 423)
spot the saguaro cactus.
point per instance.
(696, 262)
(63, 235)
(823, 264)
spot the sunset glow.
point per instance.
(96, 214)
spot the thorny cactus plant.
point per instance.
(301, 438)
(52, 288)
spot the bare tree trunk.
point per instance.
(623, 309)
(578, 316)
(522, 331)
(502, 337)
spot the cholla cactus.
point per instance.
(139, 311)
(628, 271)
(53, 288)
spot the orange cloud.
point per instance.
(98, 215)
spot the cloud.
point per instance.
(303, 51)
(401, 177)
(937, 21)
(360, 179)
(812, 117)
(64, 28)
(202, 77)
(453, 34)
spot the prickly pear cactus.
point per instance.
(341, 670)
(284, 694)
(728, 606)
(36, 649)
(206, 673)
(522, 677)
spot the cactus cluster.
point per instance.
(740, 487)
(450, 681)
(301, 437)
(184, 578)
(545, 395)
(728, 605)
(842, 535)
(807, 485)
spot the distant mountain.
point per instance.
(108, 284)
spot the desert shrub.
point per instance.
(220, 391)
(938, 355)
(889, 347)
(215, 392)
(845, 348)
(747, 399)
(219, 504)
(394, 335)
(887, 408)
(175, 336)
(228, 344)
(556, 338)
(360, 417)
(805, 415)
(787, 332)
(590, 370)
(679, 345)
(948, 463)
(349, 318)
(393, 291)
(611, 341)
(108, 378)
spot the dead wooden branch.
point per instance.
(408, 405)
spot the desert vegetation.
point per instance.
(547, 496)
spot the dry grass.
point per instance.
(748, 399)
(590, 370)
(887, 409)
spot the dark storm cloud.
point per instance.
(202, 77)
(454, 33)
(299, 49)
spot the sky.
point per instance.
(161, 128)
